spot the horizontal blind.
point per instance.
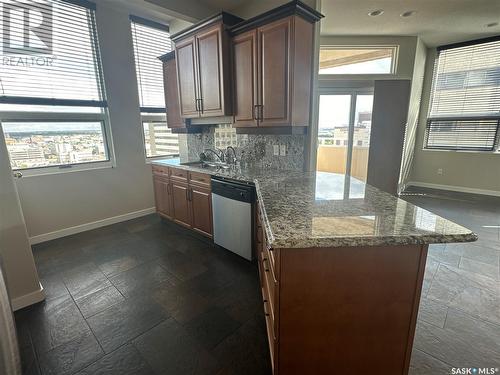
(150, 42)
(465, 101)
(50, 54)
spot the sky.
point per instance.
(334, 109)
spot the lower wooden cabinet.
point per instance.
(201, 208)
(183, 197)
(180, 197)
(163, 198)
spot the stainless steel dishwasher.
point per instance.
(232, 207)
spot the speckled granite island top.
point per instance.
(319, 209)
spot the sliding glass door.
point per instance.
(344, 132)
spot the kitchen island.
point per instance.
(341, 267)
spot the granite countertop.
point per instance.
(319, 209)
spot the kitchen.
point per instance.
(263, 253)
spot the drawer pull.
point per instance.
(265, 312)
(265, 260)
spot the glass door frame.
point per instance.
(353, 93)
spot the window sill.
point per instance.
(463, 151)
(156, 158)
(33, 172)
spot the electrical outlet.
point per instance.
(440, 171)
(276, 150)
(283, 150)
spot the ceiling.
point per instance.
(227, 5)
(437, 22)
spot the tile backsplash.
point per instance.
(253, 150)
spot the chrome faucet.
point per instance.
(233, 159)
(216, 153)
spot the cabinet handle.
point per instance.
(265, 310)
(201, 106)
(256, 112)
(261, 114)
(265, 260)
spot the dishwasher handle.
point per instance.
(233, 190)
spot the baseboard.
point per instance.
(89, 226)
(28, 299)
(460, 189)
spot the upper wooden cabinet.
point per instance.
(245, 78)
(203, 67)
(170, 85)
(187, 77)
(273, 67)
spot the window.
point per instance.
(52, 102)
(151, 40)
(357, 59)
(465, 98)
(158, 138)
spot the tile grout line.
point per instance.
(432, 356)
(128, 342)
(468, 313)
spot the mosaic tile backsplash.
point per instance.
(251, 149)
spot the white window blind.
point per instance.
(151, 40)
(465, 99)
(50, 54)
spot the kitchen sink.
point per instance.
(208, 164)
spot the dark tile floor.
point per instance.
(148, 297)
(459, 316)
(143, 297)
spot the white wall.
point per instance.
(413, 113)
(16, 258)
(55, 202)
(466, 171)
(410, 66)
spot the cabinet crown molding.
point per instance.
(295, 7)
(225, 18)
(167, 57)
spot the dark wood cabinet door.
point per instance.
(187, 77)
(274, 73)
(245, 79)
(163, 199)
(174, 119)
(209, 65)
(180, 199)
(201, 208)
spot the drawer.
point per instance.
(270, 336)
(261, 270)
(270, 285)
(199, 178)
(272, 256)
(160, 170)
(178, 174)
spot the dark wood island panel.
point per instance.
(341, 310)
(349, 310)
